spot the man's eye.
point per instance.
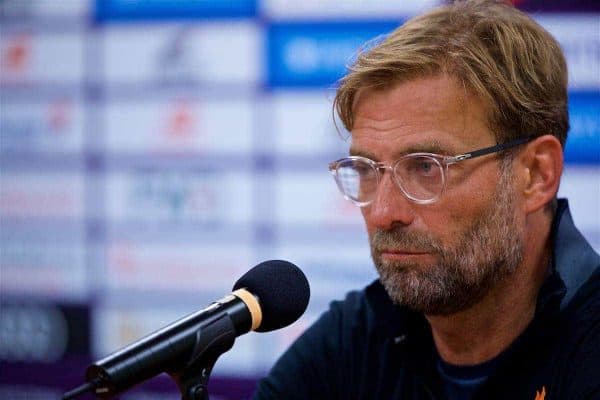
(424, 167)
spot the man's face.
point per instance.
(437, 258)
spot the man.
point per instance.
(458, 121)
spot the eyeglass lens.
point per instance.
(420, 178)
(357, 180)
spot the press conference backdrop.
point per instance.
(154, 150)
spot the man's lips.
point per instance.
(402, 254)
(399, 251)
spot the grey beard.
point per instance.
(485, 254)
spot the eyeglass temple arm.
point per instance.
(489, 150)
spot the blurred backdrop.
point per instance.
(154, 150)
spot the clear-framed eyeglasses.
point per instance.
(421, 177)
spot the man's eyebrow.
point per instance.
(362, 153)
(432, 146)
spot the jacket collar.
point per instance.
(573, 259)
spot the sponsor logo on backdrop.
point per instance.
(204, 199)
(58, 116)
(316, 54)
(177, 267)
(181, 122)
(16, 57)
(33, 57)
(44, 268)
(175, 62)
(181, 126)
(223, 53)
(52, 126)
(41, 195)
(177, 196)
(32, 333)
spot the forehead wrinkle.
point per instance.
(445, 126)
(378, 122)
(370, 138)
(429, 145)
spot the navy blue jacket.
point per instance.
(365, 347)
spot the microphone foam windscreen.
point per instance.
(282, 291)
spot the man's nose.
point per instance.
(390, 206)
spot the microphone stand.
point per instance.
(192, 379)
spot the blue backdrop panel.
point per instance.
(583, 142)
(127, 10)
(316, 54)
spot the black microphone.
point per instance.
(270, 296)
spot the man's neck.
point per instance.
(483, 331)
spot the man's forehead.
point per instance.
(425, 144)
(434, 115)
(444, 87)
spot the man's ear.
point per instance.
(540, 166)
